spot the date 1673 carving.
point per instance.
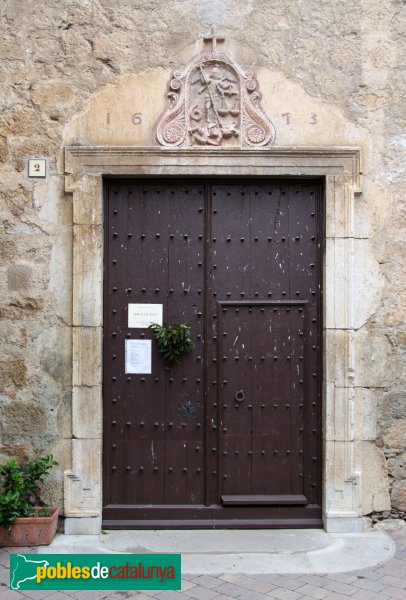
(213, 102)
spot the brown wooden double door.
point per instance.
(231, 437)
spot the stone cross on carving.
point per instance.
(213, 101)
(214, 38)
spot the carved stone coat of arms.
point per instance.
(214, 102)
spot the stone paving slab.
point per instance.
(250, 552)
(386, 581)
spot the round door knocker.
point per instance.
(239, 396)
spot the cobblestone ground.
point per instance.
(384, 582)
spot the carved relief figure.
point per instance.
(213, 102)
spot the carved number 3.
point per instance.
(137, 118)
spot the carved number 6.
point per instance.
(137, 118)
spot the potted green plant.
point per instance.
(24, 519)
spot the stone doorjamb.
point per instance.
(85, 167)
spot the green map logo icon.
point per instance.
(24, 569)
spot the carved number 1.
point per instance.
(136, 118)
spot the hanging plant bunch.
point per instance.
(172, 341)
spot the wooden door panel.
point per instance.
(273, 467)
(231, 436)
(154, 239)
(184, 472)
(230, 268)
(269, 227)
(236, 464)
(268, 405)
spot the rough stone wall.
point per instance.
(57, 55)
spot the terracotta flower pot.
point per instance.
(31, 531)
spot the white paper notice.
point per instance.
(138, 356)
(142, 315)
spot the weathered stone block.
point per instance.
(24, 418)
(390, 525)
(87, 199)
(60, 275)
(14, 336)
(17, 202)
(19, 277)
(8, 248)
(3, 150)
(87, 412)
(342, 480)
(50, 95)
(367, 283)
(83, 482)
(339, 367)
(365, 414)
(373, 360)
(11, 180)
(83, 526)
(397, 466)
(335, 208)
(87, 275)
(336, 285)
(52, 489)
(398, 494)
(64, 418)
(20, 120)
(87, 350)
(392, 405)
(354, 283)
(351, 414)
(339, 424)
(371, 212)
(375, 484)
(13, 371)
(23, 147)
(395, 436)
(18, 309)
(55, 351)
(51, 203)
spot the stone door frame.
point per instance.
(340, 167)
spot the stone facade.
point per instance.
(94, 73)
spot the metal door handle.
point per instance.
(239, 396)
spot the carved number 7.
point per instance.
(287, 116)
